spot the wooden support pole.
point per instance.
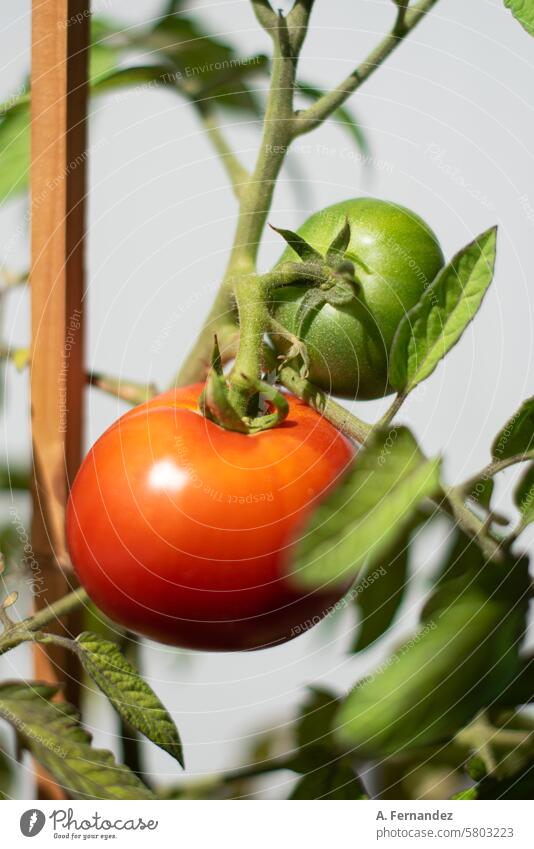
(60, 39)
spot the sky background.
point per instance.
(450, 121)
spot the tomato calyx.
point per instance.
(333, 280)
(216, 405)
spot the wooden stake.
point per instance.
(60, 39)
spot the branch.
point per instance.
(24, 630)
(126, 390)
(322, 403)
(492, 469)
(236, 172)
(265, 14)
(405, 22)
(297, 22)
(454, 505)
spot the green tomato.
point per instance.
(396, 256)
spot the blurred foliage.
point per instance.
(177, 53)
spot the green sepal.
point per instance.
(339, 244)
(299, 245)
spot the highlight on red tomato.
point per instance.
(181, 530)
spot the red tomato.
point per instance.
(180, 530)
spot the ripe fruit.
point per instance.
(179, 530)
(395, 256)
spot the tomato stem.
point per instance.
(281, 126)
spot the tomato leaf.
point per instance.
(129, 694)
(191, 62)
(136, 75)
(334, 780)
(367, 512)
(52, 733)
(519, 786)
(517, 436)
(378, 602)
(523, 11)
(205, 64)
(14, 149)
(481, 492)
(524, 496)
(463, 656)
(315, 720)
(429, 330)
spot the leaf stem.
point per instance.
(236, 172)
(471, 524)
(392, 411)
(25, 630)
(492, 469)
(315, 114)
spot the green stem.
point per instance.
(25, 630)
(281, 126)
(253, 320)
(392, 411)
(492, 469)
(342, 419)
(310, 118)
(236, 172)
(126, 390)
(472, 525)
(256, 770)
(255, 197)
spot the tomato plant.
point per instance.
(180, 530)
(396, 256)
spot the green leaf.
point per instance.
(429, 330)
(14, 150)
(520, 786)
(380, 594)
(523, 11)
(107, 47)
(482, 491)
(6, 773)
(517, 436)
(334, 780)
(136, 75)
(465, 654)
(11, 544)
(206, 65)
(364, 516)
(315, 721)
(52, 733)
(344, 117)
(521, 689)
(129, 694)
(524, 496)
(14, 476)
(463, 556)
